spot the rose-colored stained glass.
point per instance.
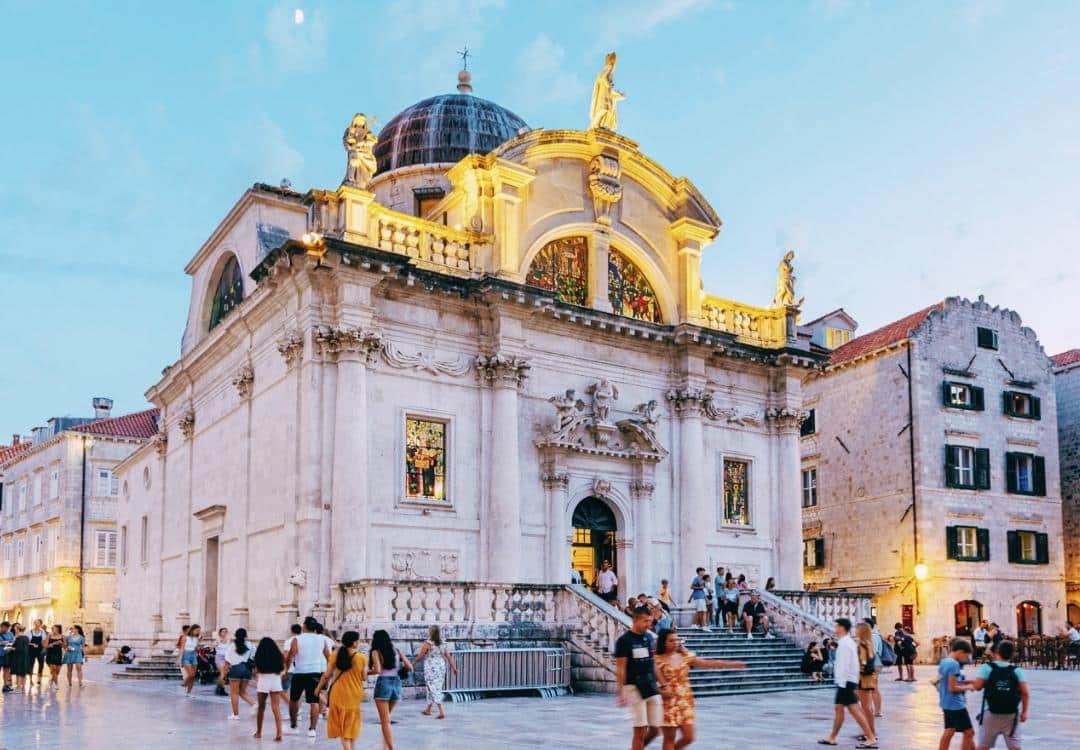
(562, 266)
(630, 293)
(736, 492)
(425, 459)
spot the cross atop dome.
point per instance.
(464, 77)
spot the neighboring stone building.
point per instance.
(489, 364)
(1067, 382)
(47, 482)
(954, 470)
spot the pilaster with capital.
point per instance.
(505, 374)
(688, 405)
(691, 237)
(641, 496)
(784, 422)
(556, 491)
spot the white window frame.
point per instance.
(54, 484)
(750, 496)
(448, 503)
(8, 553)
(20, 556)
(36, 492)
(54, 546)
(965, 465)
(1025, 469)
(836, 337)
(21, 494)
(809, 487)
(106, 483)
(1028, 546)
(123, 546)
(809, 553)
(105, 549)
(144, 542)
(967, 542)
(960, 394)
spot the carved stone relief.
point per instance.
(428, 564)
(499, 369)
(243, 381)
(334, 342)
(604, 186)
(291, 346)
(187, 423)
(424, 361)
(593, 429)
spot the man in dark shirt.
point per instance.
(753, 613)
(636, 677)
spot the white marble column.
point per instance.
(599, 251)
(694, 518)
(556, 484)
(785, 423)
(645, 577)
(502, 525)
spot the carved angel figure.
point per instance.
(603, 394)
(604, 97)
(565, 408)
(359, 143)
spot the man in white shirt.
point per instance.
(846, 675)
(979, 636)
(607, 583)
(308, 654)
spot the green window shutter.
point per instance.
(1038, 465)
(1042, 549)
(1010, 472)
(978, 400)
(945, 393)
(819, 553)
(1036, 407)
(950, 542)
(950, 466)
(984, 544)
(1006, 399)
(1013, 540)
(982, 468)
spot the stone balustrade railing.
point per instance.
(762, 326)
(828, 605)
(598, 626)
(389, 602)
(445, 248)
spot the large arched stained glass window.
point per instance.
(630, 293)
(229, 292)
(563, 267)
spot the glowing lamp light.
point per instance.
(298, 16)
(921, 572)
(311, 238)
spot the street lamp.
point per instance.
(921, 572)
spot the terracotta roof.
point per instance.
(10, 451)
(893, 333)
(141, 424)
(1070, 357)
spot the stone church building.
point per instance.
(489, 358)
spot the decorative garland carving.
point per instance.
(424, 361)
(498, 369)
(243, 381)
(730, 414)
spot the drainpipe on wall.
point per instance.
(911, 450)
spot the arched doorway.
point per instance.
(594, 538)
(968, 614)
(1028, 619)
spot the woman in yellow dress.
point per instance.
(345, 674)
(673, 663)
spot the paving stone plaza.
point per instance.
(153, 716)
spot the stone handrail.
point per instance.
(763, 326)
(428, 242)
(828, 605)
(599, 625)
(798, 624)
(390, 602)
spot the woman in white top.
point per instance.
(438, 658)
(187, 644)
(237, 670)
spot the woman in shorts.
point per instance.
(269, 664)
(237, 670)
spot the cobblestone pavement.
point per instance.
(152, 715)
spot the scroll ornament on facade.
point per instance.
(604, 186)
(687, 401)
(161, 440)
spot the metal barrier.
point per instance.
(503, 670)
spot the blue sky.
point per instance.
(905, 151)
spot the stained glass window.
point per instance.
(425, 459)
(630, 293)
(736, 492)
(229, 292)
(563, 267)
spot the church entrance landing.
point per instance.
(594, 539)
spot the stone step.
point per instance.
(147, 675)
(744, 689)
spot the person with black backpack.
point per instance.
(1005, 699)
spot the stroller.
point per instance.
(206, 672)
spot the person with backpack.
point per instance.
(884, 657)
(1005, 699)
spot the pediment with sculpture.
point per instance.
(594, 426)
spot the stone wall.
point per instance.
(1067, 382)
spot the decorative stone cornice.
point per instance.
(345, 342)
(187, 423)
(786, 419)
(291, 346)
(498, 369)
(243, 381)
(688, 401)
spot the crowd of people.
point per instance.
(24, 654)
(313, 669)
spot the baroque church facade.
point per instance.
(486, 357)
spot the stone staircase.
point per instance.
(772, 664)
(156, 667)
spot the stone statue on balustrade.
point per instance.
(359, 144)
(785, 283)
(602, 112)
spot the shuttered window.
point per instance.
(104, 549)
(967, 468)
(809, 488)
(1025, 474)
(1029, 547)
(963, 396)
(967, 543)
(987, 338)
(813, 553)
(1022, 405)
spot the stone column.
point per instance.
(599, 252)
(694, 518)
(788, 501)
(352, 349)
(502, 524)
(691, 237)
(641, 494)
(556, 485)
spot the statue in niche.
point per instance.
(602, 112)
(785, 283)
(603, 394)
(359, 143)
